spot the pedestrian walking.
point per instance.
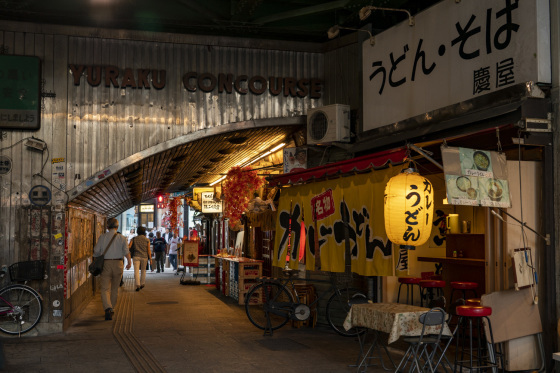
(173, 244)
(117, 249)
(159, 248)
(141, 256)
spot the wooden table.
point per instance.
(396, 319)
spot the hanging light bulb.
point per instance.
(408, 208)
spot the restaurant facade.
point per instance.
(465, 76)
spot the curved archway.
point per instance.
(175, 165)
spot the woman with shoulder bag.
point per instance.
(140, 249)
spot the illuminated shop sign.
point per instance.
(146, 208)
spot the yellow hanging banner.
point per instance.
(335, 211)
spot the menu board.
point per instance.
(475, 177)
(190, 253)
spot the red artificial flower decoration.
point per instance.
(237, 189)
(171, 216)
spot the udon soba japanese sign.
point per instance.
(475, 177)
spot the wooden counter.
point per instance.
(452, 260)
(471, 267)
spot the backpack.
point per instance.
(159, 245)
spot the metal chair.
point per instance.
(423, 348)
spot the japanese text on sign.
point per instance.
(209, 205)
(500, 40)
(458, 51)
(323, 205)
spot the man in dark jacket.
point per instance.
(159, 248)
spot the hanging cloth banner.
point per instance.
(346, 208)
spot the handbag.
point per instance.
(132, 249)
(96, 267)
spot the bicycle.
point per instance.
(270, 304)
(20, 305)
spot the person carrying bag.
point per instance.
(96, 267)
(110, 249)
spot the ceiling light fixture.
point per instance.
(217, 181)
(334, 31)
(242, 164)
(365, 12)
(276, 148)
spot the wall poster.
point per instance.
(475, 177)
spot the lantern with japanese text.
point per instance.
(409, 208)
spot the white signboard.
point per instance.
(456, 51)
(208, 203)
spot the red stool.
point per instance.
(472, 302)
(462, 286)
(478, 357)
(409, 282)
(427, 290)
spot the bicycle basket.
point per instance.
(25, 271)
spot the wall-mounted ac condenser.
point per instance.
(328, 124)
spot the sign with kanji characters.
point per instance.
(209, 205)
(456, 51)
(20, 96)
(323, 205)
(5, 164)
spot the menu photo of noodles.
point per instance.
(494, 193)
(476, 162)
(462, 190)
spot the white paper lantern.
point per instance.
(409, 208)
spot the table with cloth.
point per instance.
(396, 319)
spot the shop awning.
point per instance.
(355, 165)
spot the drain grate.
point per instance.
(282, 344)
(163, 302)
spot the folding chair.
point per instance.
(425, 346)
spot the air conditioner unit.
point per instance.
(328, 124)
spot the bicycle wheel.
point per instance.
(20, 309)
(269, 298)
(338, 306)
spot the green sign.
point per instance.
(20, 96)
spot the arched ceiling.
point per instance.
(180, 167)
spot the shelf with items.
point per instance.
(235, 276)
(205, 271)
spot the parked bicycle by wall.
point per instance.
(20, 305)
(271, 303)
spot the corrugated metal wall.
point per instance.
(94, 127)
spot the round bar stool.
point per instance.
(428, 287)
(478, 356)
(472, 302)
(462, 286)
(409, 282)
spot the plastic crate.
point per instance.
(25, 271)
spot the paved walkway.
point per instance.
(168, 327)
